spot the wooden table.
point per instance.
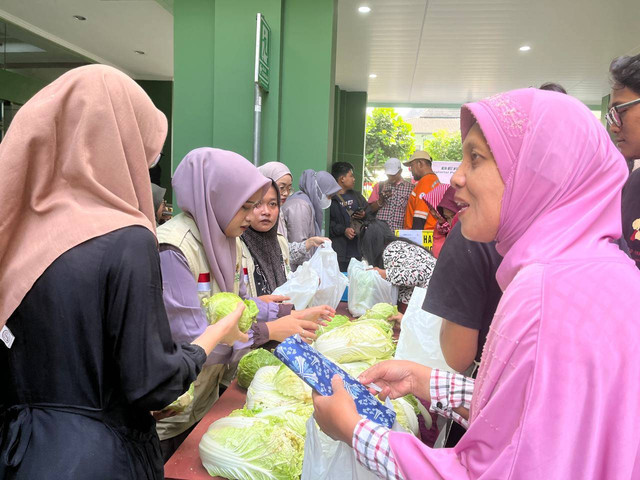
(185, 463)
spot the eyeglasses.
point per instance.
(613, 115)
(285, 189)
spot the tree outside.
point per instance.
(444, 146)
(388, 135)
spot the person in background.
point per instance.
(265, 253)
(300, 251)
(389, 199)
(281, 175)
(623, 120)
(532, 161)
(159, 203)
(443, 208)
(217, 191)
(398, 260)
(417, 216)
(87, 351)
(348, 210)
(553, 87)
(303, 211)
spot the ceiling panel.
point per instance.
(453, 51)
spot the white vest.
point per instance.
(182, 233)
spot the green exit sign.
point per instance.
(263, 52)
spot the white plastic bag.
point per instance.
(420, 335)
(367, 287)
(327, 459)
(332, 282)
(300, 287)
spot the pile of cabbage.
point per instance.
(222, 304)
(265, 439)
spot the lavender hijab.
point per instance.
(312, 186)
(274, 170)
(210, 186)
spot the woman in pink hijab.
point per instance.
(558, 386)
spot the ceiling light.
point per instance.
(372, 75)
(525, 48)
(364, 9)
(80, 17)
(139, 52)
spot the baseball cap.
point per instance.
(392, 166)
(418, 154)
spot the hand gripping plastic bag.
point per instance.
(332, 283)
(420, 335)
(327, 459)
(301, 286)
(367, 288)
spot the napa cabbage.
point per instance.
(252, 362)
(252, 448)
(222, 304)
(378, 322)
(335, 322)
(356, 342)
(262, 393)
(381, 311)
(289, 384)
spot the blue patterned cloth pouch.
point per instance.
(317, 371)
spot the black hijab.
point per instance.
(265, 250)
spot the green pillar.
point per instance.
(349, 130)
(214, 50)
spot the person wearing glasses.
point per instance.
(623, 120)
(280, 174)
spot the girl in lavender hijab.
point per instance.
(217, 191)
(303, 211)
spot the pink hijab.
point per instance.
(75, 165)
(210, 186)
(558, 383)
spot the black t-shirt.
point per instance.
(463, 288)
(631, 215)
(340, 221)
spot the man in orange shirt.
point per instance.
(417, 216)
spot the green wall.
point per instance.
(214, 49)
(350, 117)
(161, 94)
(18, 88)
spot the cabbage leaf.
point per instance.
(222, 304)
(356, 342)
(381, 311)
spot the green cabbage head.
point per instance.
(380, 311)
(252, 362)
(252, 448)
(263, 394)
(222, 304)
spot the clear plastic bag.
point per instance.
(420, 335)
(301, 286)
(332, 283)
(367, 287)
(317, 281)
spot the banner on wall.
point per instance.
(444, 170)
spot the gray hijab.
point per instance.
(312, 186)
